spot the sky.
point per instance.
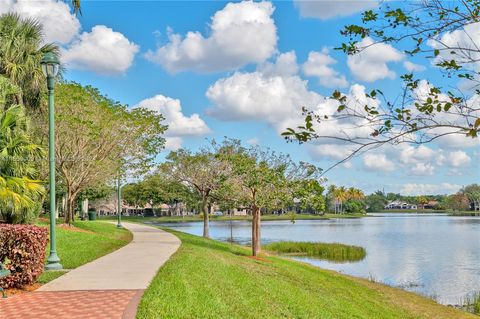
(243, 70)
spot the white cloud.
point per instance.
(285, 65)
(253, 96)
(422, 169)
(467, 38)
(378, 162)
(370, 64)
(179, 125)
(327, 9)
(277, 100)
(412, 67)
(458, 159)
(428, 189)
(59, 24)
(336, 152)
(102, 50)
(253, 141)
(319, 65)
(241, 33)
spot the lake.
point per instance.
(431, 254)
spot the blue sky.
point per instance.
(245, 79)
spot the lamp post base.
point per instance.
(119, 225)
(53, 262)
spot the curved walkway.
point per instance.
(108, 287)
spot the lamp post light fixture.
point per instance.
(119, 204)
(50, 66)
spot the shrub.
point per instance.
(22, 251)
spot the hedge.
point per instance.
(22, 251)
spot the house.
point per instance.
(400, 205)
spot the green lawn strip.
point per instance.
(76, 248)
(211, 279)
(328, 251)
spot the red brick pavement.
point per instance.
(87, 304)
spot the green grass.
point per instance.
(211, 279)
(76, 247)
(328, 251)
(197, 218)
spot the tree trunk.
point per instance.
(255, 230)
(70, 209)
(205, 216)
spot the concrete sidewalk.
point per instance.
(131, 267)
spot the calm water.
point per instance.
(438, 256)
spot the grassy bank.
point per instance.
(198, 218)
(84, 242)
(210, 279)
(329, 251)
(412, 211)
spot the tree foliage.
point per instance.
(21, 49)
(422, 112)
(21, 192)
(96, 139)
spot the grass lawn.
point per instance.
(197, 218)
(211, 279)
(86, 241)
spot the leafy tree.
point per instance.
(261, 179)
(97, 138)
(21, 49)
(21, 193)
(421, 201)
(422, 112)
(375, 202)
(473, 194)
(458, 202)
(309, 193)
(354, 206)
(203, 171)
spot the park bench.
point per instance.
(3, 273)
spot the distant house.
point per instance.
(400, 205)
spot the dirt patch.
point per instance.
(76, 229)
(259, 259)
(17, 291)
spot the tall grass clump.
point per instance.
(472, 303)
(328, 251)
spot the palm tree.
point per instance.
(21, 49)
(20, 191)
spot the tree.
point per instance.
(261, 179)
(21, 193)
(21, 49)
(309, 193)
(473, 194)
(375, 202)
(421, 201)
(422, 112)
(96, 139)
(203, 171)
(458, 202)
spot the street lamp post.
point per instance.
(119, 204)
(50, 65)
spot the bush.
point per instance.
(22, 251)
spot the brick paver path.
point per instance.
(94, 304)
(107, 288)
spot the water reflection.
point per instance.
(434, 255)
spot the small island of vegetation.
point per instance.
(329, 251)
